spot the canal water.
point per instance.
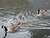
(12, 11)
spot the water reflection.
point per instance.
(40, 33)
(22, 10)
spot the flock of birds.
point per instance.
(14, 27)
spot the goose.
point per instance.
(11, 28)
(5, 31)
(41, 12)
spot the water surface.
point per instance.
(12, 11)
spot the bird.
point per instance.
(11, 28)
(48, 11)
(5, 31)
(25, 22)
(41, 12)
(34, 20)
